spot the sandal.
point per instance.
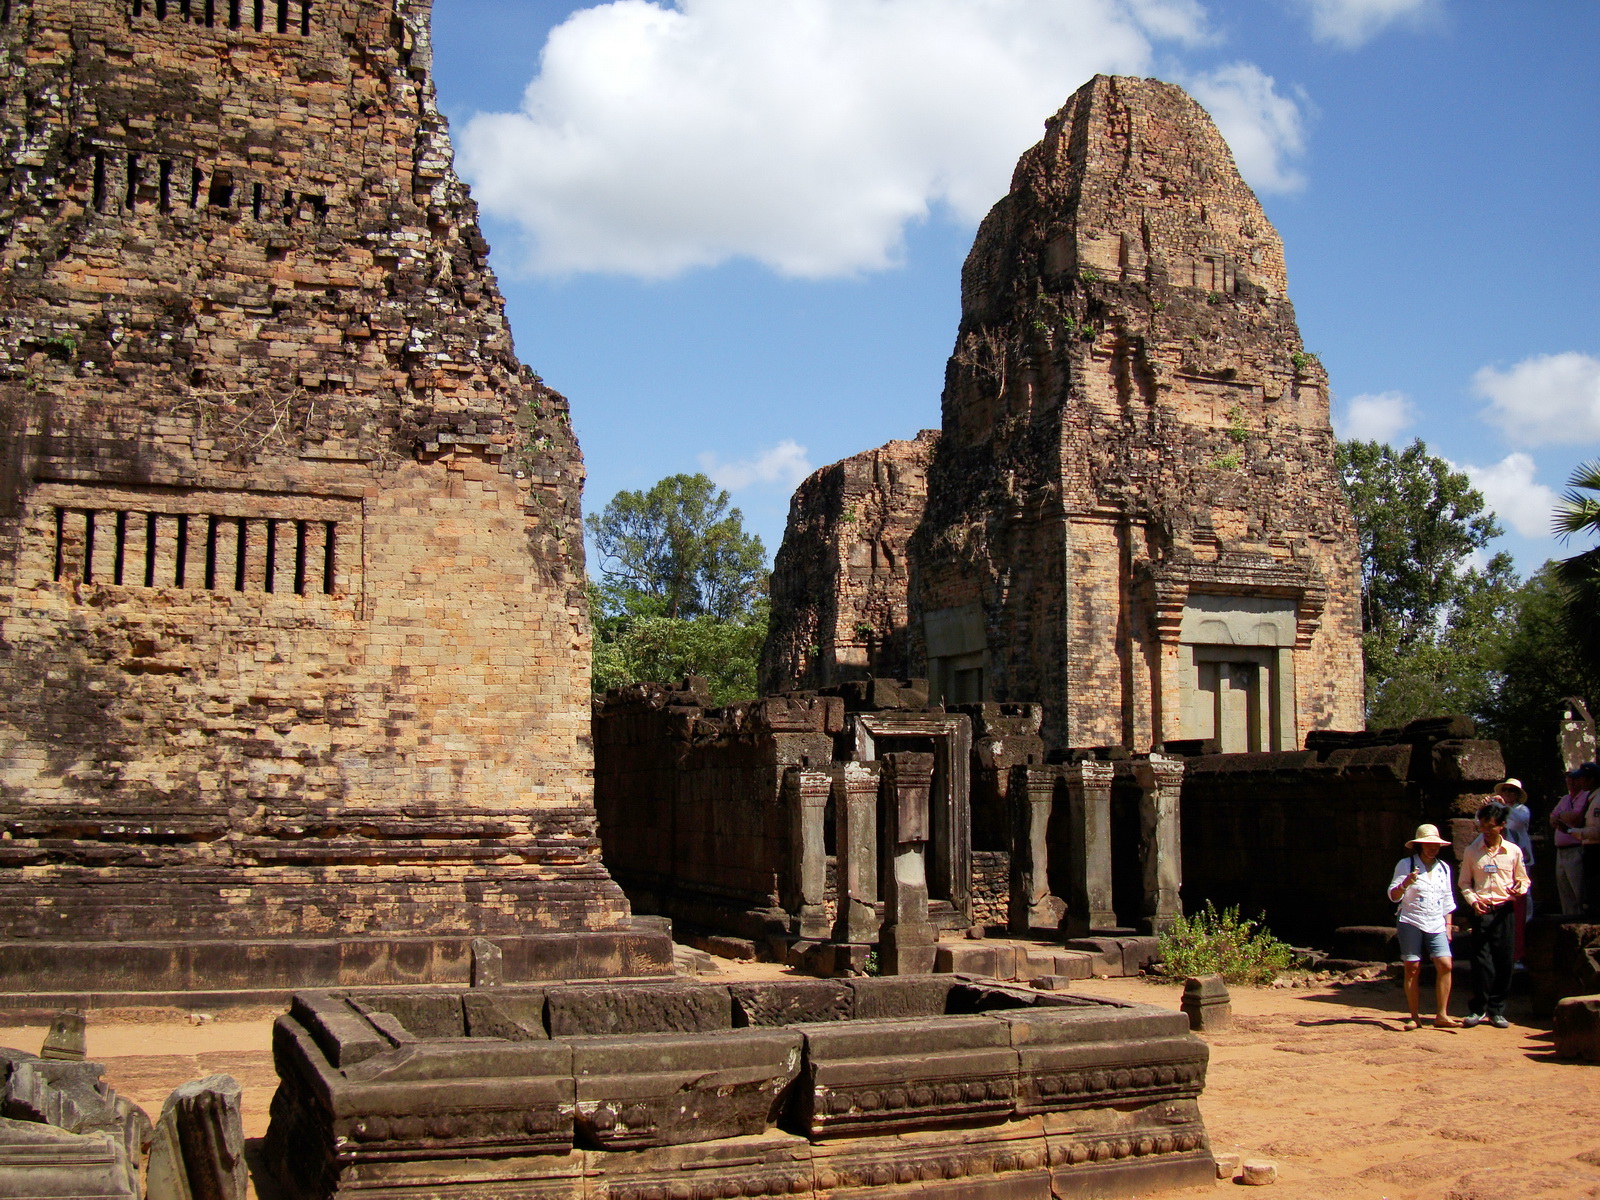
(1410, 1023)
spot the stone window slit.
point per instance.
(99, 181)
(211, 553)
(261, 15)
(327, 557)
(269, 578)
(138, 8)
(196, 180)
(299, 558)
(165, 201)
(233, 14)
(241, 554)
(305, 17)
(180, 570)
(255, 200)
(161, 10)
(134, 172)
(88, 545)
(5, 12)
(283, 16)
(61, 543)
(120, 548)
(220, 194)
(288, 208)
(151, 528)
(211, 14)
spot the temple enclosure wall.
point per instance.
(295, 641)
(1132, 513)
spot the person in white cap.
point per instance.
(1422, 888)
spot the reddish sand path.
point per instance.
(1321, 1081)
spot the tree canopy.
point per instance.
(677, 551)
(1434, 623)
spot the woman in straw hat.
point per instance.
(1422, 888)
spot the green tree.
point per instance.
(1433, 623)
(677, 551)
(1578, 512)
(665, 649)
(1540, 666)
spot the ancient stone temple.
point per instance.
(846, 551)
(294, 646)
(1133, 514)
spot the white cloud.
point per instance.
(1374, 417)
(807, 134)
(1550, 398)
(785, 463)
(1352, 23)
(1264, 129)
(1509, 488)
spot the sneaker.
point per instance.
(1472, 1019)
(1499, 1022)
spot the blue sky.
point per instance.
(731, 231)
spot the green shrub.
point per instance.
(1222, 943)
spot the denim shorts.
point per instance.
(1413, 942)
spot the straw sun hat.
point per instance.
(1428, 834)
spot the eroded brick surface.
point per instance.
(317, 663)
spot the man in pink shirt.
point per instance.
(1492, 876)
(1566, 819)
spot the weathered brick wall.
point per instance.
(1129, 420)
(839, 584)
(690, 799)
(246, 312)
(1309, 837)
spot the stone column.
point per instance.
(1031, 794)
(855, 845)
(805, 796)
(907, 943)
(1089, 794)
(1160, 849)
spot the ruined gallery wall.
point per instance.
(840, 580)
(691, 802)
(291, 562)
(1130, 420)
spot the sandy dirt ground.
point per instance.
(1323, 1082)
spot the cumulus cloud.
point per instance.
(1374, 416)
(806, 134)
(1509, 489)
(1264, 128)
(1352, 23)
(1546, 399)
(785, 463)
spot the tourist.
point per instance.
(1492, 877)
(1565, 819)
(1422, 888)
(1514, 796)
(1587, 831)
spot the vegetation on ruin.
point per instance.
(682, 590)
(1222, 943)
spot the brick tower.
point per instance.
(1134, 515)
(294, 640)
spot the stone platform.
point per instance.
(696, 1091)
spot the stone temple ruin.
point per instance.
(295, 641)
(1131, 515)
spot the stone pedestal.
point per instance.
(908, 942)
(805, 797)
(1089, 901)
(855, 817)
(1160, 849)
(1207, 1003)
(1032, 792)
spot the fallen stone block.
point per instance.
(1207, 1003)
(45, 1161)
(1228, 1165)
(1138, 953)
(1577, 1028)
(67, 1039)
(198, 1151)
(988, 959)
(1258, 1173)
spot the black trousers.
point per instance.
(1493, 955)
